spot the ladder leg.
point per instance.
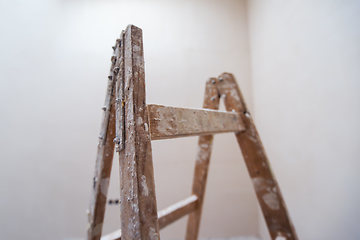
(103, 161)
(137, 188)
(211, 101)
(267, 190)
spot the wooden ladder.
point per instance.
(130, 124)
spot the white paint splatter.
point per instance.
(97, 229)
(234, 94)
(104, 184)
(271, 200)
(139, 121)
(258, 182)
(280, 238)
(153, 235)
(204, 145)
(143, 184)
(146, 127)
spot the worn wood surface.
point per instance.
(173, 122)
(104, 157)
(177, 210)
(211, 101)
(266, 187)
(137, 189)
(119, 101)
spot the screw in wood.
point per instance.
(94, 182)
(104, 108)
(116, 140)
(213, 81)
(116, 70)
(221, 79)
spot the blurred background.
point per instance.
(296, 62)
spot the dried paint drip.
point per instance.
(144, 186)
(271, 200)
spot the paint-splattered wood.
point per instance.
(211, 101)
(119, 102)
(137, 189)
(173, 122)
(104, 157)
(166, 216)
(266, 187)
(177, 211)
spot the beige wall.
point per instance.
(55, 57)
(305, 59)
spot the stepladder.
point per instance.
(129, 125)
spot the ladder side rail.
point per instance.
(104, 157)
(137, 188)
(211, 101)
(267, 190)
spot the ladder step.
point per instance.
(116, 235)
(166, 216)
(173, 122)
(177, 211)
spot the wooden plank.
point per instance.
(119, 102)
(211, 101)
(266, 187)
(104, 158)
(137, 189)
(177, 211)
(166, 216)
(172, 122)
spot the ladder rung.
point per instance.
(166, 216)
(116, 235)
(172, 122)
(177, 211)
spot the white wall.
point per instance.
(55, 57)
(306, 84)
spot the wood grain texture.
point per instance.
(104, 157)
(137, 188)
(177, 211)
(119, 102)
(266, 187)
(173, 122)
(211, 101)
